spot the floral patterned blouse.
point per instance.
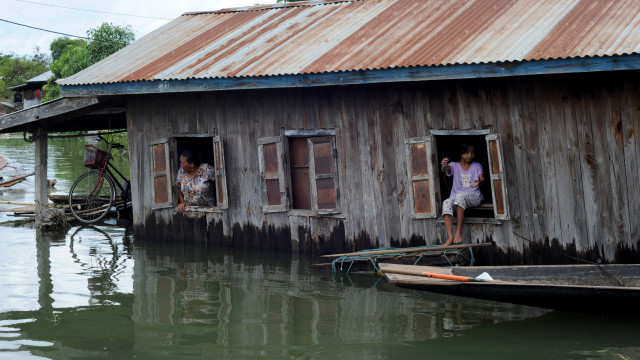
(197, 191)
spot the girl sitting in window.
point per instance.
(465, 192)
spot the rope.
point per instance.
(373, 258)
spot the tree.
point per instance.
(15, 70)
(107, 39)
(72, 56)
(58, 46)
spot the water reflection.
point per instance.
(249, 300)
(90, 299)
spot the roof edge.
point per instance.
(426, 73)
(270, 7)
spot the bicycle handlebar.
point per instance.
(113, 145)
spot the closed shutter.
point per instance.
(498, 189)
(274, 191)
(161, 174)
(221, 178)
(423, 203)
(325, 192)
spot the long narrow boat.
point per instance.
(581, 288)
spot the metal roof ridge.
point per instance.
(270, 7)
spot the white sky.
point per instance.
(22, 41)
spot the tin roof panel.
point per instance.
(334, 36)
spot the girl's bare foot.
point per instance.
(457, 239)
(448, 242)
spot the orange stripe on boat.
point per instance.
(447, 277)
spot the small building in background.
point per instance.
(30, 93)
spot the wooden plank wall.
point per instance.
(570, 148)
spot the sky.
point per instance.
(65, 16)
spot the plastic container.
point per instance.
(94, 158)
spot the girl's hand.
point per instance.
(475, 184)
(181, 206)
(444, 164)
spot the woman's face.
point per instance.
(469, 155)
(186, 166)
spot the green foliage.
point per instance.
(72, 56)
(73, 59)
(15, 70)
(107, 39)
(58, 46)
(51, 90)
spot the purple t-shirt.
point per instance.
(462, 179)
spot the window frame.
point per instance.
(219, 171)
(495, 176)
(279, 175)
(169, 170)
(283, 175)
(428, 177)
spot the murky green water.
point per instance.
(96, 292)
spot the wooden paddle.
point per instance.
(451, 277)
(440, 275)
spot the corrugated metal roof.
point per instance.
(333, 36)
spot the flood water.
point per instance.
(98, 292)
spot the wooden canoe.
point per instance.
(613, 288)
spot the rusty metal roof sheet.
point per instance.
(334, 36)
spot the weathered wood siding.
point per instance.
(570, 150)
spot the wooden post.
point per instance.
(42, 184)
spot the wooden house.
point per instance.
(326, 122)
(30, 93)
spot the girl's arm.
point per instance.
(444, 165)
(480, 181)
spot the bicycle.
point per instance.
(93, 194)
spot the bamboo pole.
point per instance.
(407, 250)
(15, 202)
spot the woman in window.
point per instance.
(465, 192)
(194, 181)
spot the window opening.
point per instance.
(299, 167)
(210, 149)
(448, 146)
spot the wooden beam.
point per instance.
(48, 110)
(42, 184)
(424, 73)
(407, 250)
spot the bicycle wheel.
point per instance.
(91, 197)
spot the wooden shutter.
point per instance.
(498, 188)
(161, 175)
(221, 177)
(423, 199)
(274, 190)
(325, 192)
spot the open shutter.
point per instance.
(325, 192)
(498, 189)
(423, 199)
(274, 190)
(161, 174)
(221, 178)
